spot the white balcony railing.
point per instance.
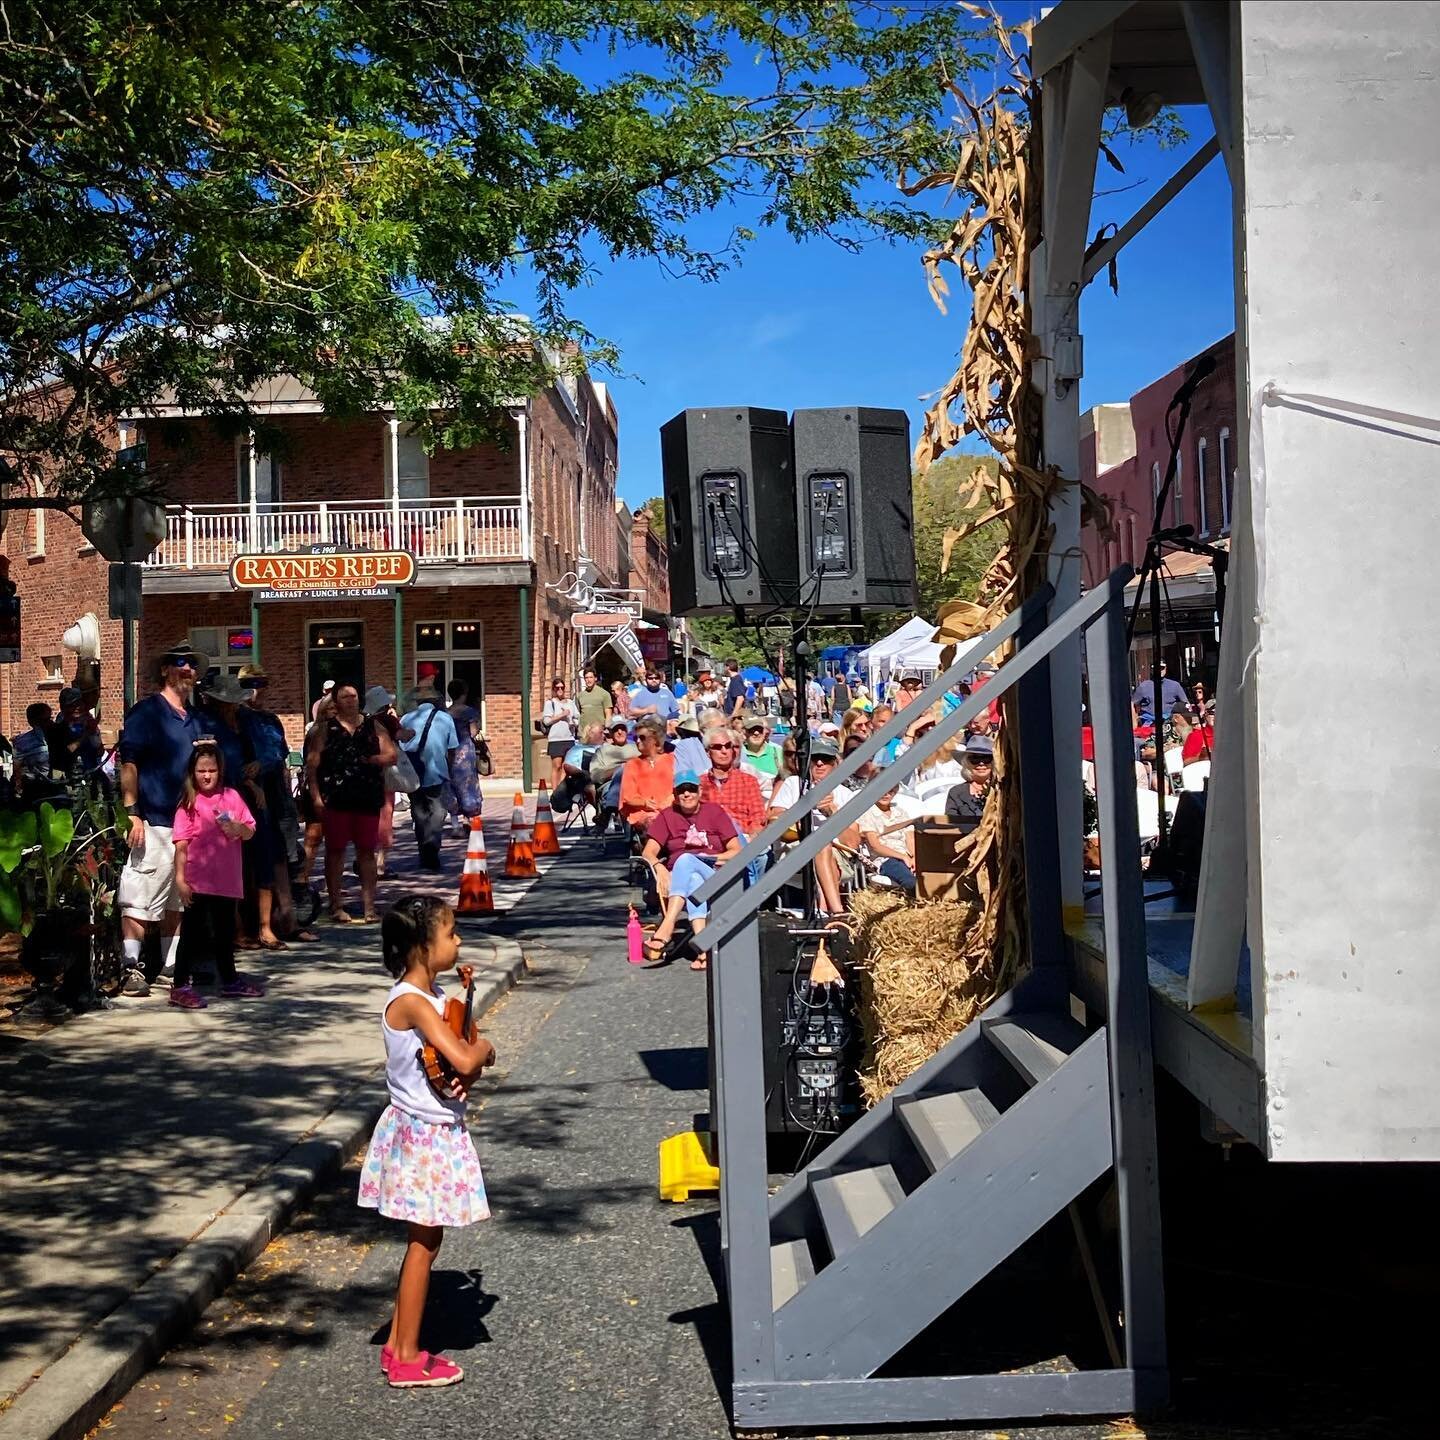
(466, 530)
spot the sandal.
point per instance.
(304, 937)
(369, 918)
(339, 917)
(700, 962)
(273, 945)
(424, 1370)
(655, 947)
(248, 944)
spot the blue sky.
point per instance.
(798, 325)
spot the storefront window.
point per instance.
(227, 647)
(336, 652)
(447, 650)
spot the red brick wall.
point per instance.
(1130, 485)
(573, 468)
(55, 589)
(649, 563)
(284, 637)
(320, 459)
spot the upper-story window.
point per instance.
(266, 469)
(1227, 483)
(406, 457)
(37, 529)
(1200, 499)
(1177, 504)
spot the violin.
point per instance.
(459, 1018)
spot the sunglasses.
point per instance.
(980, 759)
(722, 745)
(180, 662)
(687, 789)
(822, 760)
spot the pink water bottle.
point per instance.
(634, 940)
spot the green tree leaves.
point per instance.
(200, 197)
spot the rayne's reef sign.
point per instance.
(323, 573)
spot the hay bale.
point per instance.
(917, 988)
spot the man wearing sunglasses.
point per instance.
(155, 746)
(734, 789)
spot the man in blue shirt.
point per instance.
(427, 735)
(156, 742)
(654, 697)
(1172, 693)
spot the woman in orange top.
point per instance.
(648, 783)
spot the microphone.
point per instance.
(1202, 368)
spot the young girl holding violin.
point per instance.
(421, 1166)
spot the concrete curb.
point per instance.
(72, 1394)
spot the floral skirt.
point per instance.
(423, 1172)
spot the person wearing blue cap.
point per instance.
(689, 840)
(965, 803)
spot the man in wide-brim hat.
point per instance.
(155, 744)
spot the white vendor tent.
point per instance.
(908, 648)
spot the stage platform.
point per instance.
(1210, 1050)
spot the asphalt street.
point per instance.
(586, 1306)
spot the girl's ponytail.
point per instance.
(409, 925)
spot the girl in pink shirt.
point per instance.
(210, 826)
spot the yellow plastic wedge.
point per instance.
(685, 1165)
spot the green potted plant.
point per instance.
(58, 880)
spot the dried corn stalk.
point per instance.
(997, 178)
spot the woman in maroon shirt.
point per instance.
(690, 839)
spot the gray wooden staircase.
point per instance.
(966, 1160)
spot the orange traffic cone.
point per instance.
(547, 841)
(520, 854)
(477, 895)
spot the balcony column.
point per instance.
(394, 454)
(459, 529)
(522, 429)
(254, 534)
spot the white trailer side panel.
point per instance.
(1341, 229)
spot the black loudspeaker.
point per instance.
(810, 1042)
(855, 517)
(729, 509)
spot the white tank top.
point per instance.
(410, 1091)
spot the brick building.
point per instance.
(1124, 450)
(491, 528)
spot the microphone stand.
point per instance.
(1150, 573)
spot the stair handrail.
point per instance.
(762, 842)
(735, 976)
(1069, 623)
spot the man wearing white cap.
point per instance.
(325, 690)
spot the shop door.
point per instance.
(337, 652)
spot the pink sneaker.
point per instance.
(424, 1371)
(387, 1359)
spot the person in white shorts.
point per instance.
(156, 741)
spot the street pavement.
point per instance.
(139, 1132)
(588, 1306)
